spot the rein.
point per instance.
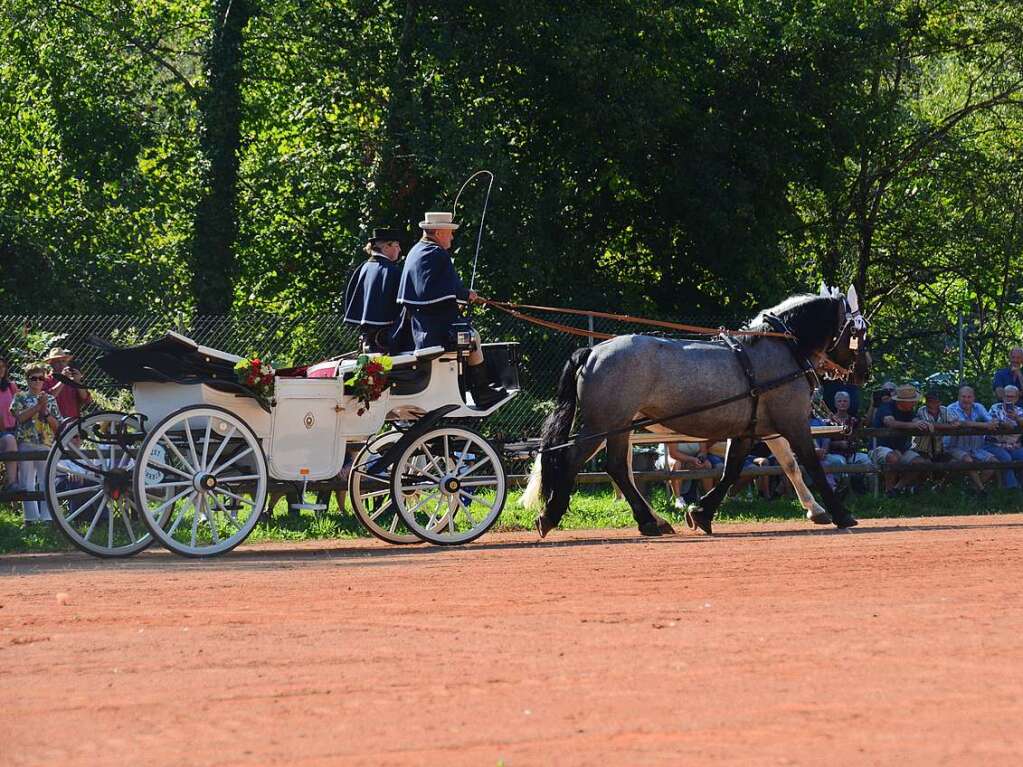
(512, 309)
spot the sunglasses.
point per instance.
(37, 378)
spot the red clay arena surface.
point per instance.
(899, 643)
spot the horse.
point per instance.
(757, 385)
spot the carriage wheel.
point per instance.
(88, 485)
(213, 466)
(370, 494)
(449, 485)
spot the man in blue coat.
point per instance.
(429, 292)
(371, 296)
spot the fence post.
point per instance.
(589, 324)
(962, 347)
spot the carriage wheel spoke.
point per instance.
(78, 490)
(229, 494)
(228, 514)
(206, 441)
(394, 523)
(477, 499)
(126, 518)
(177, 519)
(223, 444)
(159, 509)
(95, 519)
(239, 478)
(383, 507)
(433, 462)
(191, 443)
(165, 485)
(165, 467)
(195, 518)
(217, 469)
(429, 496)
(211, 518)
(479, 482)
(476, 466)
(84, 506)
(110, 526)
(174, 449)
(375, 493)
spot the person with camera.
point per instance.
(8, 440)
(37, 417)
(71, 398)
(1010, 375)
(429, 293)
(898, 414)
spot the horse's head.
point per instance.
(829, 330)
(846, 357)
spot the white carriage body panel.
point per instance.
(306, 441)
(156, 401)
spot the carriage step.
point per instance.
(308, 506)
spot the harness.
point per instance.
(755, 391)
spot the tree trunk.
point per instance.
(214, 264)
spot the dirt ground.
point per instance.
(898, 643)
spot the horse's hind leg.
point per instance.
(619, 466)
(738, 449)
(559, 496)
(782, 452)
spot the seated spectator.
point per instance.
(898, 414)
(1009, 375)
(70, 400)
(37, 416)
(680, 456)
(877, 398)
(1006, 447)
(844, 445)
(8, 442)
(824, 454)
(932, 446)
(852, 392)
(968, 411)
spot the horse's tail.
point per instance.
(550, 465)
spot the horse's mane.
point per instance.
(813, 319)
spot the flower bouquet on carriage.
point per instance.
(369, 379)
(257, 376)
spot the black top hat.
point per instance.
(386, 234)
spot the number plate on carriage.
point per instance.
(153, 475)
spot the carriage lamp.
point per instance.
(463, 338)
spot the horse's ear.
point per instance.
(824, 290)
(853, 299)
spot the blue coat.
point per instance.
(371, 296)
(429, 293)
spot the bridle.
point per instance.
(856, 326)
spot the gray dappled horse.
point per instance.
(638, 376)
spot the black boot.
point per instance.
(484, 393)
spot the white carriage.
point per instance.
(193, 467)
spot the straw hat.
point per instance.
(56, 353)
(438, 220)
(906, 393)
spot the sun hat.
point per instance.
(56, 353)
(438, 220)
(906, 393)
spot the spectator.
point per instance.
(932, 446)
(37, 416)
(70, 400)
(877, 398)
(1006, 447)
(8, 441)
(968, 411)
(824, 454)
(1009, 375)
(843, 445)
(898, 414)
(681, 456)
(831, 390)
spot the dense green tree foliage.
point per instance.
(681, 159)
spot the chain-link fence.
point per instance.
(307, 338)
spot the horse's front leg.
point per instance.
(703, 517)
(782, 452)
(806, 453)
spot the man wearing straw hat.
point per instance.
(70, 397)
(429, 293)
(899, 414)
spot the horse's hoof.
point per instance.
(651, 528)
(819, 518)
(665, 527)
(845, 522)
(544, 525)
(699, 519)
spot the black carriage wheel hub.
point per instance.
(207, 482)
(451, 485)
(116, 482)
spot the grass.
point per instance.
(591, 508)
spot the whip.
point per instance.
(479, 235)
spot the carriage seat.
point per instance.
(410, 371)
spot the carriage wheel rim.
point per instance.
(94, 511)
(370, 496)
(212, 459)
(444, 468)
